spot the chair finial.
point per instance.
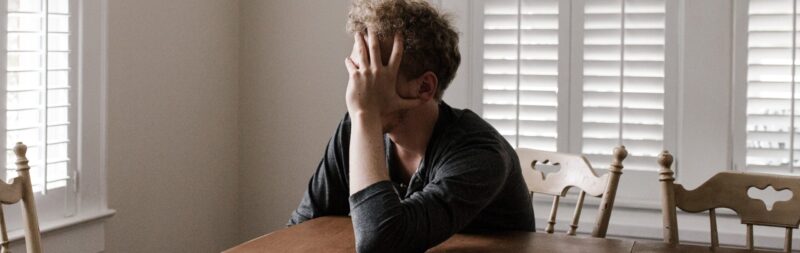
(665, 159)
(22, 162)
(20, 149)
(620, 153)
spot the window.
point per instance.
(39, 76)
(520, 73)
(623, 79)
(771, 95)
(38, 80)
(578, 76)
(54, 103)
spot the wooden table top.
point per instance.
(335, 234)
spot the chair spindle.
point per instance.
(750, 237)
(787, 241)
(4, 233)
(552, 222)
(712, 216)
(577, 215)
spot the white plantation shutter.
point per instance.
(623, 80)
(530, 98)
(520, 70)
(39, 76)
(771, 87)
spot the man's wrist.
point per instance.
(365, 116)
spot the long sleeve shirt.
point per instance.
(469, 179)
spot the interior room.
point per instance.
(199, 125)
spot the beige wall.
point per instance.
(291, 98)
(172, 125)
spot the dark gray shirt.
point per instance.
(469, 180)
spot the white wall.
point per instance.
(704, 97)
(172, 125)
(291, 98)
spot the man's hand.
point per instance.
(372, 88)
(371, 96)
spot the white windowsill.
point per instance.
(64, 223)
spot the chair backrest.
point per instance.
(21, 189)
(574, 171)
(729, 190)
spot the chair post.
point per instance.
(670, 219)
(32, 237)
(577, 215)
(607, 203)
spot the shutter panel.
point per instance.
(770, 74)
(38, 81)
(520, 70)
(623, 80)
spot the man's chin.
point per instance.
(390, 126)
(395, 122)
(393, 126)
(388, 129)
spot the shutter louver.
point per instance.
(771, 129)
(623, 80)
(520, 71)
(38, 81)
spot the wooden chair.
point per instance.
(575, 171)
(21, 189)
(729, 190)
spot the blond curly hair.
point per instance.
(430, 41)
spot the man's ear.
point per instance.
(428, 85)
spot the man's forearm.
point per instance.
(367, 157)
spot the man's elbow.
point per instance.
(385, 240)
(376, 243)
(369, 242)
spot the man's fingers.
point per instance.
(397, 52)
(354, 54)
(362, 59)
(351, 66)
(374, 49)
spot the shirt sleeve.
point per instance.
(327, 190)
(463, 186)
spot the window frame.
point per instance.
(739, 92)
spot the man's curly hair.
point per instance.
(430, 41)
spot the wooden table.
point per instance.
(335, 234)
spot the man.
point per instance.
(410, 170)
